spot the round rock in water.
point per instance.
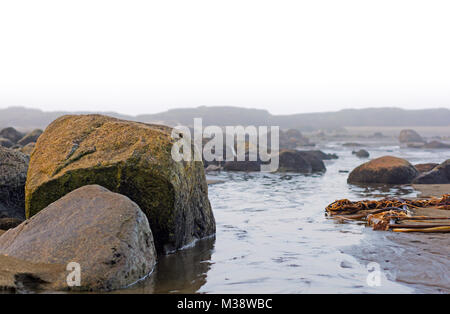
(105, 233)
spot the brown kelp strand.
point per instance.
(346, 206)
(396, 214)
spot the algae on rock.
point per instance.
(130, 158)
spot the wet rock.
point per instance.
(436, 145)
(11, 134)
(362, 153)
(316, 163)
(130, 158)
(27, 149)
(21, 276)
(410, 136)
(4, 142)
(245, 165)
(13, 174)
(425, 167)
(105, 233)
(438, 175)
(300, 161)
(31, 137)
(293, 161)
(386, 169)
(9, 223)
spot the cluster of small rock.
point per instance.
(11, 138)
(413, 140)
(103, 193)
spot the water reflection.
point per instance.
(182, 272)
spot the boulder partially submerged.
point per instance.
(130, 158)
(105, 233)
(362, 153)
(386, 169)
(13, 174)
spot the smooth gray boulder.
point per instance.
(106, 233)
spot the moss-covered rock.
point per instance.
(130, 158)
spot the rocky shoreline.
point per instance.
(106, 194)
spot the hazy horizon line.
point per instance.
(215, 106)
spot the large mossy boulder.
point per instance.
(386, 169)
(438, 175)
(13, 175)
(130, 158)
(105, 233)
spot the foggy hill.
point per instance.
(26, 119)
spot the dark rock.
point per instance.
(11, 134)
(316, 163)
(300, 161)
(362, 153)
(410, 136)
(9, 223)
(13, 174)
(244, 165)
(31, 137)
(425, 167)
(6, 142)
(352, 144)
(438, 175)
(293, 161)
(106, 233)
(386, 169)
(130, 158)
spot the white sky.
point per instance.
(284, 56)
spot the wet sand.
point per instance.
(419, 260)
(429, 190)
